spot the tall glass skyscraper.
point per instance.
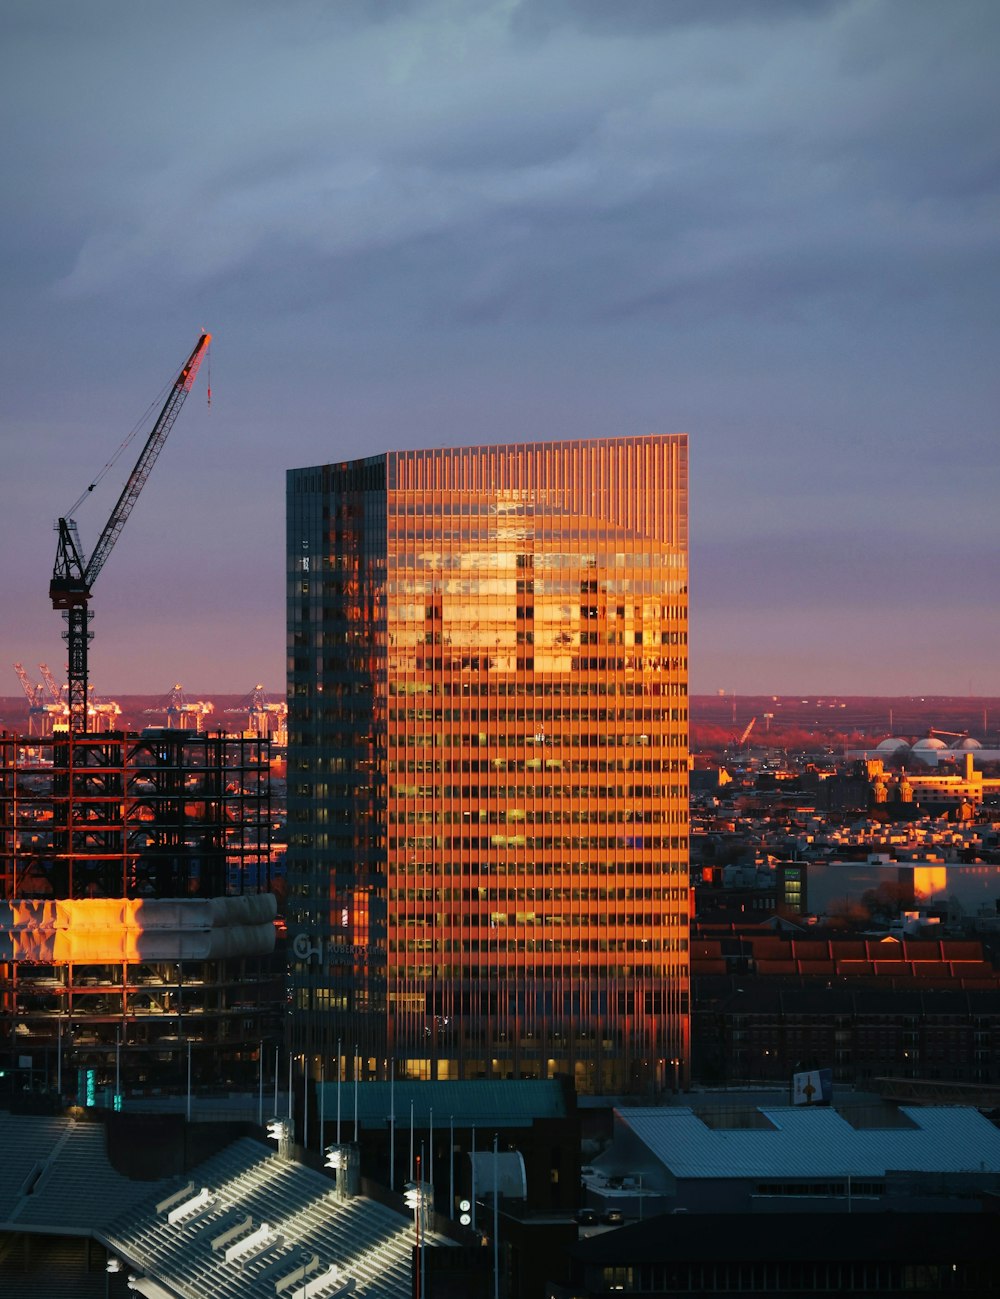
(487, 776)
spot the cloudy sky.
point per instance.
(771, 224)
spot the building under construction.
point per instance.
(137, 926)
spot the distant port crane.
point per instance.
(35, 697)
(47, 713)
(180, 710)
(73, 575)
(263, 717)
(739, 743)
(104, 713)
(55, 691)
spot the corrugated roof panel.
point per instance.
(817, 1143)
(308, 1228)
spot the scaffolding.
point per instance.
(137, 922)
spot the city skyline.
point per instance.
(770, 226)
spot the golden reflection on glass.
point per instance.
(488, 675)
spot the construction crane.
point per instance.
(74, 575)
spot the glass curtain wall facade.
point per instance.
(488, 852)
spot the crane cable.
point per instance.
(140, 423)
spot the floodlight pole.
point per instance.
(472, 1197)
(111, 1264)
(305, 1101)
(418, 1208)
(496, 1223)
(392, 1124)
(260, 1085)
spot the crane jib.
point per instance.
(73, 575)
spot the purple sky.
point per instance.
(772, 224)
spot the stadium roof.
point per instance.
(56, 1177)
(245, 1224)
(248, 1224)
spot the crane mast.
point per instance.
(73, 576)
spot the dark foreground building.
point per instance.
(789, 1257)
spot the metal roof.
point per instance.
(817, 1143)
(56, 1176)
(247, 1224)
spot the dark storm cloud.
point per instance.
(646, 17)
(407, 126)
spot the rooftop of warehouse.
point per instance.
(816, 1142)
